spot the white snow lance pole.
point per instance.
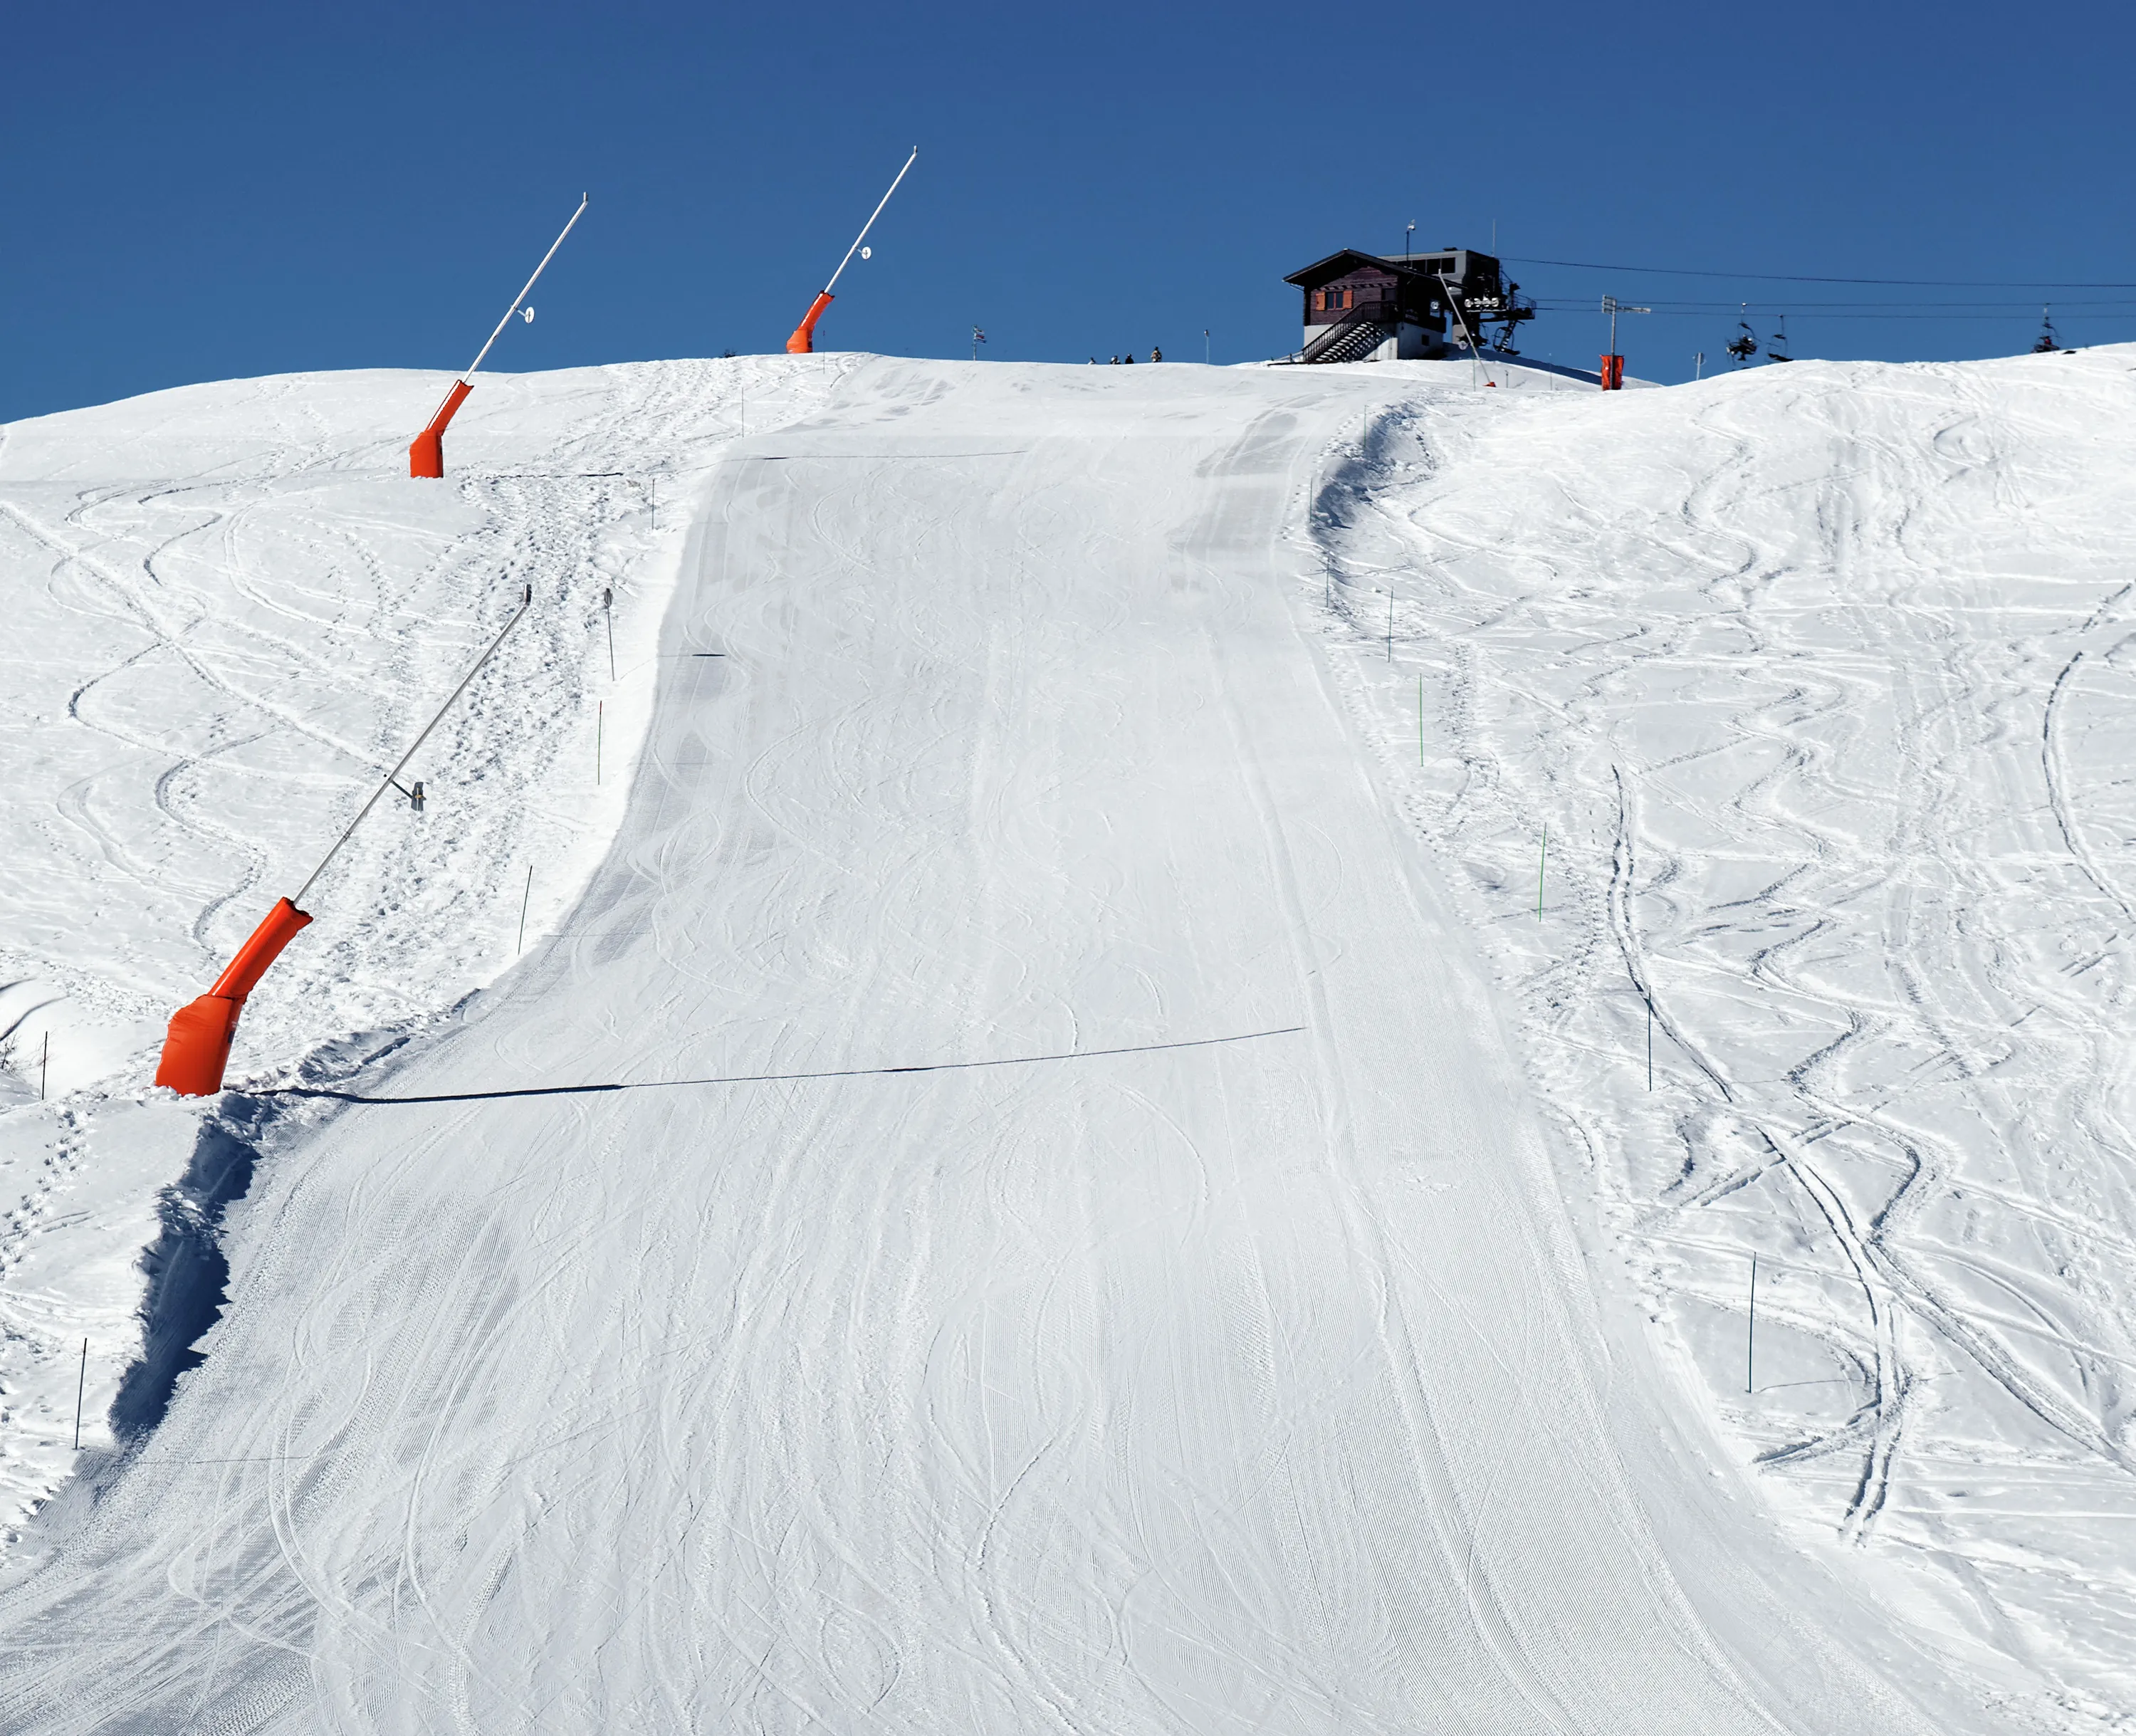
(803, 342)
(427, 456)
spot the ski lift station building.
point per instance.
(1363, 307)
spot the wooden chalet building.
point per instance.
(1360, 307)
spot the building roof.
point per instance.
(1340, 264)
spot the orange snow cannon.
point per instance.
(197, 1048)
(426, 452)
(803, 342)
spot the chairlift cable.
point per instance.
(1783, 277)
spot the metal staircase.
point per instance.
(1351, 339)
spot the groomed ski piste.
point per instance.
(1068, 1145)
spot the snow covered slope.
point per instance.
(229, 612)
(1146, 1247)
(1820, 680)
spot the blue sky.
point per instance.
(229, 190)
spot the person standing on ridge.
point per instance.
(1155, 354)
(1130, 360)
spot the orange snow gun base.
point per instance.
(197, 1048)
(803, 342)
(426, 452)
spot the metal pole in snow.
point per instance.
(1613, 308)
(601, 718)
(81, 1387)
(607, 608)
(867, 226)
(1542, 862)
(1419, 720)
(524, 898)
(1391, 620)
(1650, 1042)
(583, 200)
(1750, 1343)
(1454, 301)
(526, 602)
(45, 1067)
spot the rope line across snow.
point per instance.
(845, 1073)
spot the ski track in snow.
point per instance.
(1819, 680)
(1337, 1381)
